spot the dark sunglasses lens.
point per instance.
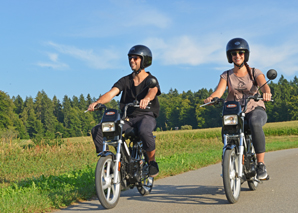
(133, 57)
(234, 53)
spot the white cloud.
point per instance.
(187, 50)
(124, 18)
(53, 57)
(54, 64)
(104, 60)
(148, 17)
(283, 58)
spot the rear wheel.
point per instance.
(252, 184)
(231, 180)
(146, 182)
(108, 193)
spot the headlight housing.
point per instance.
(230, 119)
(108, 127)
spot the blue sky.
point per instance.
(73, 47)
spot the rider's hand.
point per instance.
(207, 100)
(267, 96)
(144, 103)
(91, 106)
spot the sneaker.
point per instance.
(261, 171)
(153, 169)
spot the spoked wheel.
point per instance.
(252, 184)
(146, 182)
(108, 193)
(231, 181)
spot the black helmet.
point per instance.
(145, 54)
(237, 44)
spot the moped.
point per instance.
(128, 166)
(239, 161)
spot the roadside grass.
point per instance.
(43, 178)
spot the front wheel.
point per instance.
(231, 180)
(108, 193)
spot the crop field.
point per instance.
(44, 178)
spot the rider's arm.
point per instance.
(105, 98)
(265, 89)
(221, 88)
(149, 97)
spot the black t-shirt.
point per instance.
(130, 92)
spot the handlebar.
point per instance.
(217, 100)
(98, 107)
(133, 104)
(256, 97)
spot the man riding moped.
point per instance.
(133, 87)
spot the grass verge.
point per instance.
(41, 179)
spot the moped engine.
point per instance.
(133, 170)
(250, 166)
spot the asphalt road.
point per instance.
(202, 191)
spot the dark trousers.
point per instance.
(256, 120)
(145, 125)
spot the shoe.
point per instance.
(153, 169)
(261, 171)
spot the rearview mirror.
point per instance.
(151, 82)
(271, 74)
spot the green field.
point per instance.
(43, 178)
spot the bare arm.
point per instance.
(265, 89)
(105, 98)
(221, 88)
(149, 97)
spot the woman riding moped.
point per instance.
(243, 81)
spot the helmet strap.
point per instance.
(137, 71)
(140, 69)
(239, 66)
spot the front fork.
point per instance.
(240, 159)
(240, 152)
(117, 158)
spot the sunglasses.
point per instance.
(133, 57)
(234, 53)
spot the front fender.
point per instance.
(230, 147)
(107, 153)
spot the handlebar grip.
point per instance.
(97, 107)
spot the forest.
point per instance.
(44, 118)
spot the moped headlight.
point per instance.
(108, 127)
(230, 119)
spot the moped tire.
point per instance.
(146, 182)
(231, 180)
(108, 193)
(253, 185)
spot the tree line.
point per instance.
(43, 117)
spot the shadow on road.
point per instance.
(183, 194)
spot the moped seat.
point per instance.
(132, 134)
